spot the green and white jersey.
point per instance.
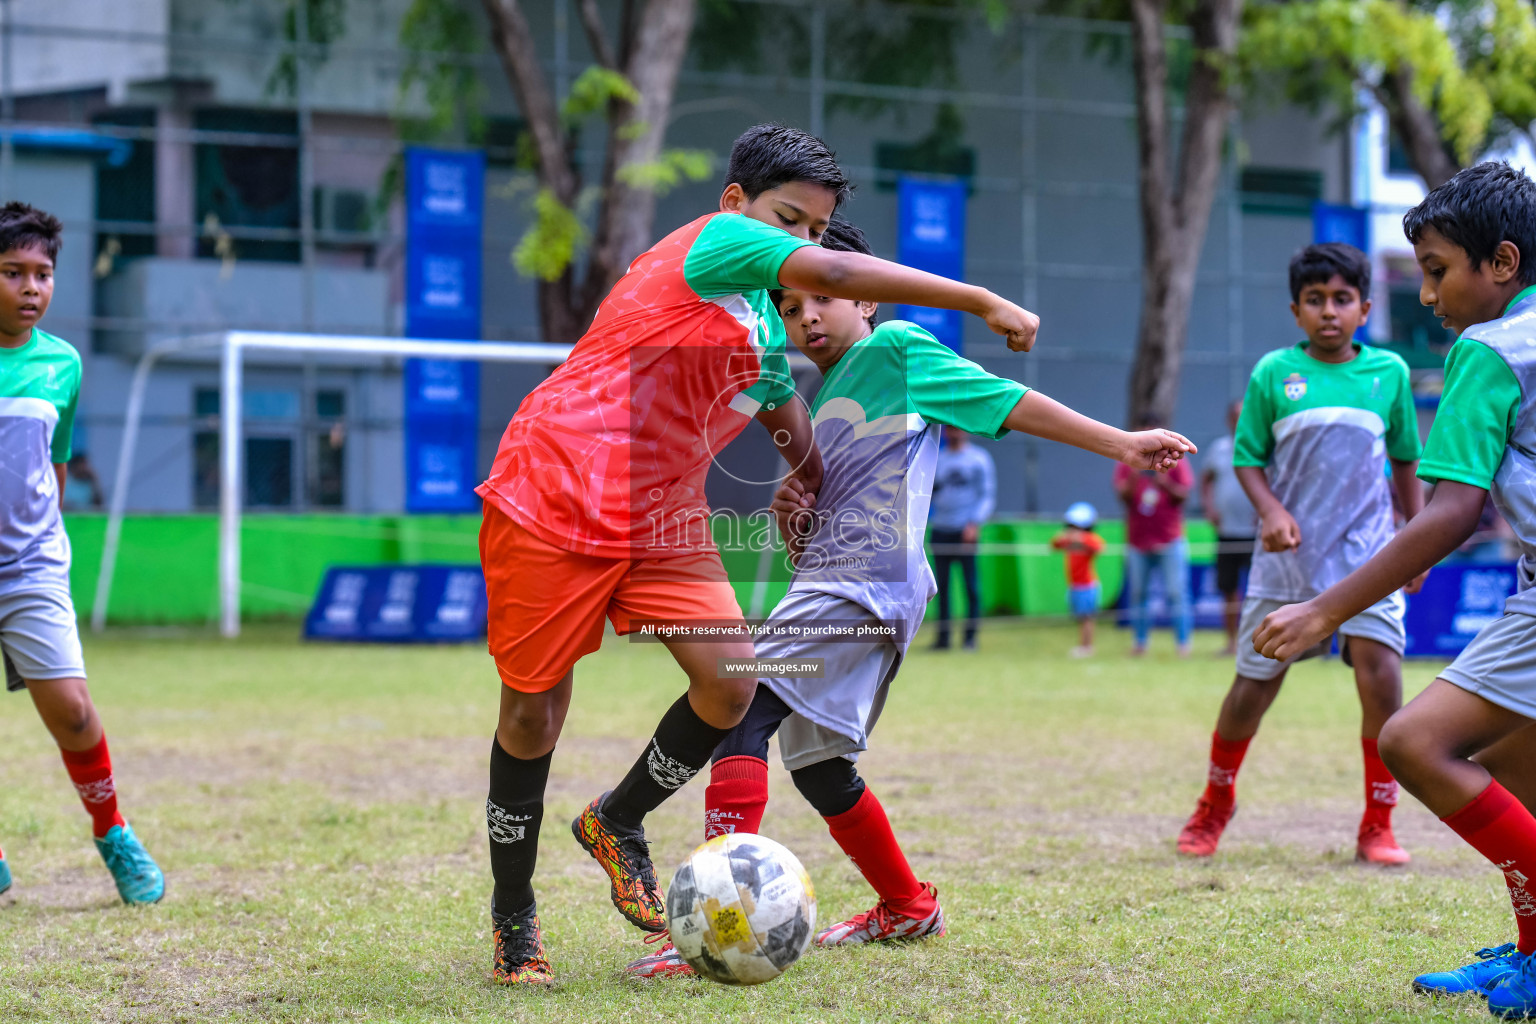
(1323, 431)
(39, 386)
(1485, 431)
(877, 420)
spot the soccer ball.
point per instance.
(741, 909)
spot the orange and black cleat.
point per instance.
(626, 858)
(519, 944)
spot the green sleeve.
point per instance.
(1254, 440)
(64, 430)
(1403, 429)
(735, 253)
(775, 384)
(950, 389)
(1476, 418)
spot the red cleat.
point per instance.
(1203, 830)
(1377, 845)
(666, 962)
(883, 924)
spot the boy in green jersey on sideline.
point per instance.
(39, 388)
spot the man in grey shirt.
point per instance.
(964, 494)
(1231, 514)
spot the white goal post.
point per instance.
(232, 346)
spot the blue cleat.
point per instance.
(1493, 965)
(137, 875)
(5, 875)
(1514, 998)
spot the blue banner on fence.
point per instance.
(931, 237)
(1349, 224)
(1457, 600)
(399, 604)
(445, 208)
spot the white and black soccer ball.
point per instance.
(741, 909)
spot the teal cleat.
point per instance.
(137, 875)
(5, 876)
(1493, 965)
(1514, 998)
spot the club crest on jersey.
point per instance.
(1295, 387)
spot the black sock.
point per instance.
(681, 746)
(513, 812)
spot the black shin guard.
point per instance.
(681, 746)
(751, 735)
(514, 810)
(832, 786)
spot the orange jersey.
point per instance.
(608, 455)
(1082, 547)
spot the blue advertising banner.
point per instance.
(1348, 224)
(1456, 602)
(445, 209)
(931, 237)
(399, 604)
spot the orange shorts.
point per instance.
(547, 604)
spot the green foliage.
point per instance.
(669, 170)
(594, 89)
(440, 40)
(1470, 59)
(550, 245)
(325, 23)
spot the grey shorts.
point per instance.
(1381, 622)
(1499, 665)
(39, 638)
(835, 713)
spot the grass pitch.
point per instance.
(318, 811)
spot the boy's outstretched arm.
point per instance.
(789, 426)
(1145, 449)
(1444, 525)
(852, 275)
(1277, 527)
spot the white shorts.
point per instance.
(39, 637)
(835, 713)
(1499, 665)
(1381, 622)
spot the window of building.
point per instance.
(125, 195)
(272, 451)
(327, 450)
(245, 184)
(268, 472)
(1287, 191)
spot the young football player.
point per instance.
(1319, 422)
(1081, 546)
(861, 581)
(39, 389)
(595, 504)
(1466, 745)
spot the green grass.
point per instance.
(318, 811)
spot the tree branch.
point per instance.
(592, 21)
(520, 59)
(1416, 126)
(1207, 113)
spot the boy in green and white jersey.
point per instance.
(1466, 745)
(861, 580)
(39, 389)
(1320, 423)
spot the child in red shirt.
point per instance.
(1082, 546)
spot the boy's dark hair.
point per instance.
(1317, 264)
(842, 235)
(26, 227)
(1480, 207)
(766, 156)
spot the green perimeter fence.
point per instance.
(167, 569)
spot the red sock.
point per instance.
(864, 833)
(91, 772)
(1221, 776)
(736, 797)
(1380, 788)
(1500, 828)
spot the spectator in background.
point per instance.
(1082, 546)
(82, 487)
(1231, 515)
(964, 494)
(1154, 535)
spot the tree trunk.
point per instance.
(1416, 127)
(652, 44)
(1175, 213)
